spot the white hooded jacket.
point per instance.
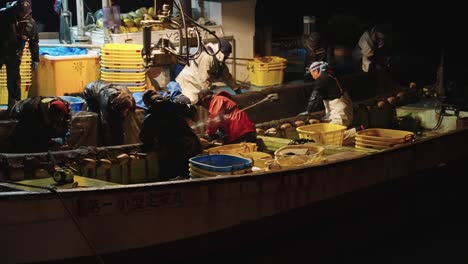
(202, 72)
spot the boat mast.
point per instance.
(439, 87)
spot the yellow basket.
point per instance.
(267, 70)
(297, 161)
(385, 135)
(325, 133)
(258, 158)
(295, 150)
(233, 148)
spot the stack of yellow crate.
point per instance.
(26, 78)
(123, 64)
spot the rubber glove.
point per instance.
(58, 141)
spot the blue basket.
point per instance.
(76, 103)
(220, 163)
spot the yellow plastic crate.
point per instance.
(324, 133)
(4, 92)
(129, 56)
(121, 60)
(130, 66)
(121, 47)
(267, 70)
(132, 75)
(136, 89)
(26, 79)
(57, 75)
(137, 81)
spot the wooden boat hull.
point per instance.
(125, 217)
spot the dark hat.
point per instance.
(25, 6)
(225, 47)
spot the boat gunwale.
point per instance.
(159, 186)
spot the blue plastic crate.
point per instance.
(76, 103)
(220, 163)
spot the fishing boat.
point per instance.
(113, 203)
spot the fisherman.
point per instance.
(225, 120)
(209, 67)
(166, 131)
(317, 48)
(113, 104)
(17, 27)
(43, 123)
(329, 92)
(374, 48)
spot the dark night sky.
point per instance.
(419, 32)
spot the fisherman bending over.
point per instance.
(42, 124)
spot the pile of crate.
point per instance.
(26, 78)
(123, 64)
(381, 139)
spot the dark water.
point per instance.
(421, 221)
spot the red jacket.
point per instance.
(232, 121)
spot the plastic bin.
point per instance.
(76, 103)
(324, 133)
(267, 70)
(220, 163)
(57, 75)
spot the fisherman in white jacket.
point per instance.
(207, 69)
(374, 48)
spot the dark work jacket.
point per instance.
(98, 96)
(15, 34)
(34, 129)
(326, 88)
(165, 124)
(166, 131)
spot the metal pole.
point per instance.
(65, 6)
(106, 4)
(79, 17)
(80, 36)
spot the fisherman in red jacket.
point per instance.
(225, 119)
